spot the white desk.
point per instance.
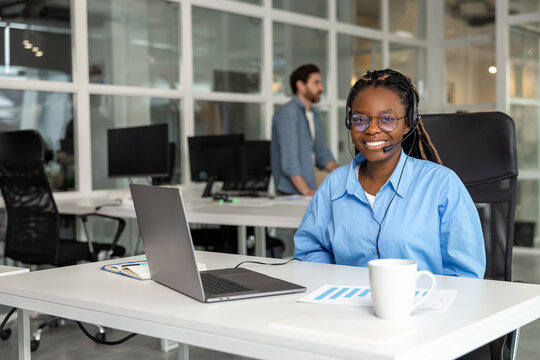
(482, 311)
(23, 331)
(257, 212)
(12, 270)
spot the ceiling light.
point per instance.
(39, 53)
(35, 49)
(492, 69)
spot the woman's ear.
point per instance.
(407, 128)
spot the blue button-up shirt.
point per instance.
(292, 146)
(432, 220)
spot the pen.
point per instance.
(135, 264)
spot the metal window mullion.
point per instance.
(82, 126)
(332, 81)
(123, 90)
(229, 6)
(358, 31)
(268, 68)
(502, 57)
(469, 41)
(38, 85)
(521, 18)
(385, 26)
(296, 19)
(227, 96)
(524, 101)
(188, 121)
(470, 107)
(435, 93)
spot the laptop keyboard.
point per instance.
(216, 285)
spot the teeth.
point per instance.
(374, 143)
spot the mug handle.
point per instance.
(430, 275)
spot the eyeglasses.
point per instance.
(386, 122)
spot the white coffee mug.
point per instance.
(393, 287)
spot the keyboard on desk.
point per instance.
(215, 285)
(243, 193)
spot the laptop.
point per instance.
(171, 258)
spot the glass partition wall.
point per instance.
(524, 103)
(223, 67)
(201, 67)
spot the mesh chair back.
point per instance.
(481, 149)
(33, 222)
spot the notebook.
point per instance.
(169, 251)
(136, 269)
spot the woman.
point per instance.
(394, 200)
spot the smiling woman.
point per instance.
(395, 199)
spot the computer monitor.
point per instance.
(258, 171)
(139, 151)
(217, 158)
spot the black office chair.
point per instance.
(481, 149)
(33, 221)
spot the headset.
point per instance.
(412, 115)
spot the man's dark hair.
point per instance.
(302, 74)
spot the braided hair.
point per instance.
(419, 144)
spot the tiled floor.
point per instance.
(67, 342)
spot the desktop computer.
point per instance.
(243, 166)
(141, 151)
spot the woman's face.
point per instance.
(373, 102)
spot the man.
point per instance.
(298, 141)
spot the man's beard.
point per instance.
(312, 97)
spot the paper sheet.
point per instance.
(361, 296)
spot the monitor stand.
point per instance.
(208, 189)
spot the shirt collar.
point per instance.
(352, 185)
(296, 100)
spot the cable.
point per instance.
(263, 263)
(7, 318)
(390, 203)
(349, 145)
(104, 342)
(104, 205)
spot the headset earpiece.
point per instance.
(348, 117)
(413, 111)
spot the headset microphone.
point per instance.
(388, 148)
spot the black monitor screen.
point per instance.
(218, 158)
(258, 165)
(139, 151)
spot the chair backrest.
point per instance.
(481, 149)
(33, 222)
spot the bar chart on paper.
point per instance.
(361, 296)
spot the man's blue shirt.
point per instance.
(292, 146)
(432, 220)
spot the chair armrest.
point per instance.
(119, 231)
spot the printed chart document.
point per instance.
(136, 269)
(361, 296)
